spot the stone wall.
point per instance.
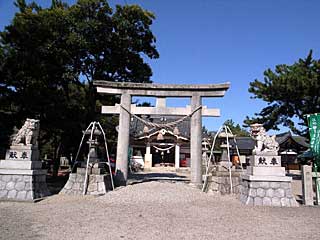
(220, 182)
(23, 187)
(267, 193)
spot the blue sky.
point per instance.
(215, 41)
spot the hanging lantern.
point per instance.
(160, 136)
(145, 129)
(176, 131)
(161, 133)
(168, 151)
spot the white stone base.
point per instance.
(97, 184)
(265, 183)
(23, 185)
(266, 171)
(20, 164)
(266, 178)
(21, 176)
(267, 191)
(23, 172)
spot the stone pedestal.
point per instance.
(265, 183)
(219, 182)
(98, 183)
(23, 153)
(224, 166)
(21, 176)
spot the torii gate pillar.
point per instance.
(126, 90)
(123, 141)
(196, 141)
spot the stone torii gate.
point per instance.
(161, 91)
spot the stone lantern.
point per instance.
(225, 162)
(93, 144)
(91, 177)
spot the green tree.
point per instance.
(35, 76)
(110, 45)
(236, 129)
(50, 57)
(291, 91)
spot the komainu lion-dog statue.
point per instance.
(264, 143)
(28, 134)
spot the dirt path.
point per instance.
(154, 210)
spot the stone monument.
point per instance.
(265, 182)
(21, 176)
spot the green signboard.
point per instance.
(314, 130)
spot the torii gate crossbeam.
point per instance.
(127, 90)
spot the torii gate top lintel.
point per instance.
(162, 90)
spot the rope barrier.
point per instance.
(208, 164)
(230, 163)
(162, 125)
(237, 149)
(85, 183)
(163, 149)
(107, 152)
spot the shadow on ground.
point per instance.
(55, 184)
(140, 177)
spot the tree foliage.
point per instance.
(291, 91)
(49, 58)
(236, 129)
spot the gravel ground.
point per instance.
(154, 210)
